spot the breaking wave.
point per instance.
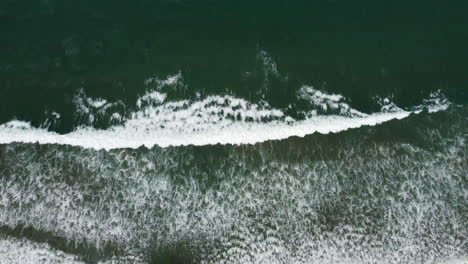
(216, 119)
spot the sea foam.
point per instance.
(219, 119)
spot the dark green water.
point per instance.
(183, 131)
(49, 49)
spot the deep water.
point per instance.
(50, 49)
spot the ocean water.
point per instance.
(197, 131)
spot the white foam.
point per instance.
(55, 115)
(210, 120)
(457, 261)
(187, 129)
(317, 96)
(17, 125)
(152, 97)
(22, 251)
(330, 103)
(138, 198)
(169, 81)
(91, 110)
(387, 105)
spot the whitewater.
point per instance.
(216, 119)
